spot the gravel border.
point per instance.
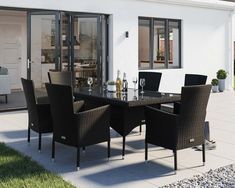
(223, 177)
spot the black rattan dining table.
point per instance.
(127, 109)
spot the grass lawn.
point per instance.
(18, 171)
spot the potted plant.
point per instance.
(215, 87)
(158, 55)
(111, 86)
(221, 76)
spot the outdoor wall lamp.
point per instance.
(127, 34)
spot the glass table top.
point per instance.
(129, 97)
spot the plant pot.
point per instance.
(221, 85)
(215, 89)
(111, 88)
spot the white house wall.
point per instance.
(205, 35)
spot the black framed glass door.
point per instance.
(42, 46)
(89, 48)
(65, 41)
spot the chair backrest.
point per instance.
(29, 93)
(60, 78)
(152, 80)
(61, 102)
(194, 100)
(194, 79)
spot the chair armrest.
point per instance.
(161, 127)
(93, 125)
(77, 106)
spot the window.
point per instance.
(144, 39)
(159, 43)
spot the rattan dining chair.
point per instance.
(191, 80)
(78, 129)
(183, 130)
(152, 83)
(39, 114)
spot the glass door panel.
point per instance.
(144, 44)
(174, 44)
(65, 42)
(43, 45)
(86, 45)
(159, 44)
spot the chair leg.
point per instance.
(83, 149)
(6, 99)
(140, 129)
(203, 154)
(123, 146)
(39, 142)
(108, 149)
(146, 152)
(78, 158)
(53, 150)
(175, 159)
(28, 134)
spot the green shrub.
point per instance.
(215, 82)
(222, 74)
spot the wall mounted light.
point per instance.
(127, 34)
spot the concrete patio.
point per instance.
(96, 171)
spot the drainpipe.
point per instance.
(229, 66)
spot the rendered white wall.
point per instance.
(206, 35)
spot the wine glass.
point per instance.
(89, 82)
(134, 80)
(142, 84)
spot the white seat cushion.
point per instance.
(5, 84)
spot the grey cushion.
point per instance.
(3, 71)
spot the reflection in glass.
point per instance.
(144, 37)
(65, 43)
(85, 49)
(42, 48)
(174, 44)
(159, 44)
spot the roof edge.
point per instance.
(209, 4)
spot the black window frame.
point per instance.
(166, 34)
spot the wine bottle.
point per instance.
(118, 83)
(124, 83)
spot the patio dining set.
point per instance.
(79, 117)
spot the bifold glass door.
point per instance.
(65, 41)
(43, 46)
